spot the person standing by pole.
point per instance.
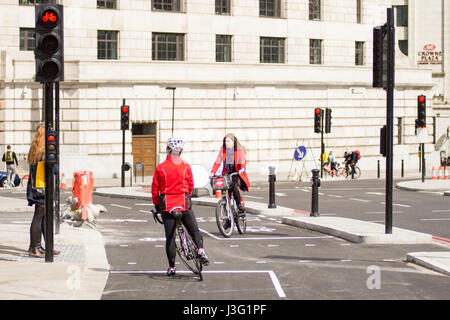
(11, 165)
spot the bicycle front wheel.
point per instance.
(241, 222)
(357, 174)
(187, 251)
(225, 223)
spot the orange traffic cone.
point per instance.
(440, 173)
(434, 174)
(63, 182)
(445, 173)
(218, 194)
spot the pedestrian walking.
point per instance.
(36, 196)
(11, 165)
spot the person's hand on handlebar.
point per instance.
(242, 170)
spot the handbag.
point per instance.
(39, 181)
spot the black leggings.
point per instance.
(37, 226)
(235, 190)
(189, 221)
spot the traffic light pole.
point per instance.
(57, 184)
(422, 154)
(389, 117)
(322, 146)
(49, 178)
(123, 155)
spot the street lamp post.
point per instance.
(173, 103)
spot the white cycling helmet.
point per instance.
(175, 144)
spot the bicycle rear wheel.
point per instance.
(225, 223)
(187, 251)
(348, 173)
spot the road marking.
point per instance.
(304, 261)
(370, 212)
(124, 245)
(257, 238)
(310, 245)
(436, 219)
(280, 194)
(444, 210)
(253, 197)
(131, 262)
(143, 204)
(129, 220)
(335, 196)
(272, 275)
(116, 205)
(356, 199)
(376, 193)
(398, 204)
(346, 260)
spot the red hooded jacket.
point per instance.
(240, 162)
(173, 182)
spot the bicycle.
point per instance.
(226, 213)
(346, 171)
(186, 249)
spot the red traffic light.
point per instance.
(125, 109)
(421, 98)
(317, 111)
(49, 18)
(51, 138)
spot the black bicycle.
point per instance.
(185, 246)
(227, 214)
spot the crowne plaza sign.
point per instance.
(429, 55)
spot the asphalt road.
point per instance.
(364, 200)
(272, 261)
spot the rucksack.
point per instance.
(9, 156)
(357, 152)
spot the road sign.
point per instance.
(300, 153)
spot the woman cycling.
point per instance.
(232, 155)
(171, 189)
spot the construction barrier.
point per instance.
(82, 190)
(434, 174)
(445, 173)
(440, 173)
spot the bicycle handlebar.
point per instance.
(155, 216)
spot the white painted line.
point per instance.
(388, 260)
(273, 277)
(346, 260)
(273, 245)
(376, 193)
(304, 261)
(356, 199)
(131, 262)
(219, 262)
(398, 204)
(254, 197)
(145, 211)
(234, 246)
(335, 196)
(264, 238)
(280, 194)
(129, 220)
(370, 212)
(444, 210)
(124, 245)
(116, 205)
(436, 219)
(310, 245)
(143, 204)
(262, 262)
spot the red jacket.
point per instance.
(240, 162)
(172, 180)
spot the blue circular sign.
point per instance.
(299, 153)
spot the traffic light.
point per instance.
(421, 112)
(317, 119)
(379, 65)
(51, 147)
(327, 120)
(125, 117)
(49, 50)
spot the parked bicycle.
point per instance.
(185, 246)
(227, 214)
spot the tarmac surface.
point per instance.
(81, 270)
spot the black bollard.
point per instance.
(378, 169)
(272, 179)
(403, 168)
(315, 184)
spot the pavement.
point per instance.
(81, 270)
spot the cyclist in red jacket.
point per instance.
(171, 189)
(232, 157)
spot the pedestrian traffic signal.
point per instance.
(49, 50)
(317, 120)
(51, 149)
(379, 65)
(421, 112)
(125, 117)
(327, 120)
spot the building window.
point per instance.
(315, 51)
(166, 5)
(359, 53)
(358, 11)
(27, 40)
(107, 45)
(270, 8)
(168, 46)
(223, 7)
(271, 50)
(31, 2)
(402, 16)
(223, 48)
(403, 46)
(106, 4)
(314, 9)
